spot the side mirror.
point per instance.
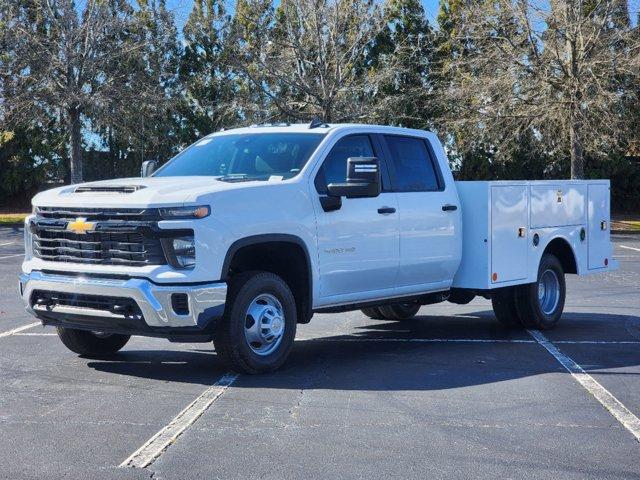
(363, 179)
(148, 167)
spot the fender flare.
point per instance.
(268, 238)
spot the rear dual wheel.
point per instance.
(394, 311)
(536, 305)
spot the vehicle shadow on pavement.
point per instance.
(425, 353)
(166, 365)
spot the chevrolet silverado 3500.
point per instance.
(250, 231)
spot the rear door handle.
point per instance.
(449, 208)
(386, 210)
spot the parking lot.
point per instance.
(450, 394)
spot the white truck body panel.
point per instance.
(357, 255)
(496, 253)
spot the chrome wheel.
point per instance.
(264, 324)
(548, 292)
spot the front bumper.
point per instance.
(205, 303)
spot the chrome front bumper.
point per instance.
(205, 301)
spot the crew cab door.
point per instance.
(358, 243)
(428, 215)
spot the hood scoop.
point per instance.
(109, 188)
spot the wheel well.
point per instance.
(562, 251)
(289, 260)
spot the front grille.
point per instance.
(120, 237)
(120, 306)
(97, 247)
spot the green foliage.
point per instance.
(168, 88)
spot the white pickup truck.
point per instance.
(250, 231)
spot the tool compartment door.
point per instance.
(509, 233)
(598, 242)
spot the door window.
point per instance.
(414, 169)
(334, 168)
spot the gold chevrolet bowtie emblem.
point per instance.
(80, 225)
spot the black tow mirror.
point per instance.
(363, 179)
(148, 167)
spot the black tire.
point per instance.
(231, 343)
(503, 301)
(400, 311)
(89, 344)
(542, 313)
(373, 312)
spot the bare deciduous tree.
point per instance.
(313, 61)
(558, 69)
(68, 60)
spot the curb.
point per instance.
(625, 232)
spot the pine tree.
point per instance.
(209, 85)
(404, 49)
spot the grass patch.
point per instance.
(12, 218)
(626, 225)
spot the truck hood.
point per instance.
(138, 192)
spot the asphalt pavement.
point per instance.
(449, 394)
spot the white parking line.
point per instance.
(598, 342)
(19, 329)
(7, 243)
(630, 248)
(156, 445)
(422, 340)
(29, 334)
(608, 401)
(11, 256)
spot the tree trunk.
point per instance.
(76, 145)
(577, 153)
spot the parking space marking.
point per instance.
(598, 342)
(34, 334)
(19, 329)
(11, 256)
(630, 248)
(156, 445)
(606, 398)
(422, 340)
(8, 243)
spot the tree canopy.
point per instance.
(515, 88)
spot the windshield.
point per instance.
(255, 156)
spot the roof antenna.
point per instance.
(316, 122)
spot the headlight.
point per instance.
(184, 251)
(178, 213)
(28, 241)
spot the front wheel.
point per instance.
(91, 344)
(540, 305)
(258, 328)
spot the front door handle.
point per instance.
(449, 208)
(386, 210)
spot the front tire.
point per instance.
(258, 328)
(540, 304)
(91, 344)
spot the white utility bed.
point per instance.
(500, 221)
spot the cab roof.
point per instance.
(313, 127)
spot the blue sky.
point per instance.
(181, 9)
